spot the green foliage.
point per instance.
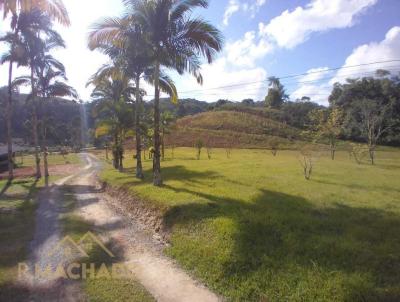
(276, 94)
(368, 98)
(250, 227)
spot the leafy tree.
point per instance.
(328, 124)
(369, 99)
(375, 120)
(113, 112)
(276, 93)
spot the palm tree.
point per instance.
(111, 96)
(50, 85)
(15, 54)
(177, 41)
(124, 41)
(56, 10)
(39, 38)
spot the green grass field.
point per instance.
(252, 228)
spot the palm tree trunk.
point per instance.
(163, 144)
(35, 128)
(139, 168)
(45, 149)
(9, 125)
(157, 181)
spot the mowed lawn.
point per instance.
(253, 229)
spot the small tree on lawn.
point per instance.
(307, 158)
(274, 146)
(198, 145)
(209, 148)
(328, 124)
(358, 152)
(375, 120)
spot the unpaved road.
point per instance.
(140, 250)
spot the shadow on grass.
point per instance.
(283, 236)
(178, 172)
(356, 186)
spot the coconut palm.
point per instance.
(56, 10)
(177, 41)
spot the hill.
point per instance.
(232, 128)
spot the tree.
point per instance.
(375, 121)
(113, 112)
(55, 10)
(167, 118)
(15, 54)
(328, 124)
(198, 145)
(50, 86)
(276, 93)
(369, 102)
(178, 41)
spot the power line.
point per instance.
(296, 75)
(362, 73)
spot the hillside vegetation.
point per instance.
(232, 128)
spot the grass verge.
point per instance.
(251, 227)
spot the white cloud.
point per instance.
(236, 5)
(219, 74)
(315, 74)
(313, 85)
(232, 7)
(292, 28)
(245, 51)
(386, 50)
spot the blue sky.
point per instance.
(263, 38)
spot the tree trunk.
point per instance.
(45, 150)
(115, 152)
(9, 126)
(157, 181)
(163, 144)
(139, 168)
(35, 128)
(372, 155)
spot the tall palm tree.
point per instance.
(177, 41)
(50, 85)
(56, 10)
(124, 41)
(15, 54)
(39, 38)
